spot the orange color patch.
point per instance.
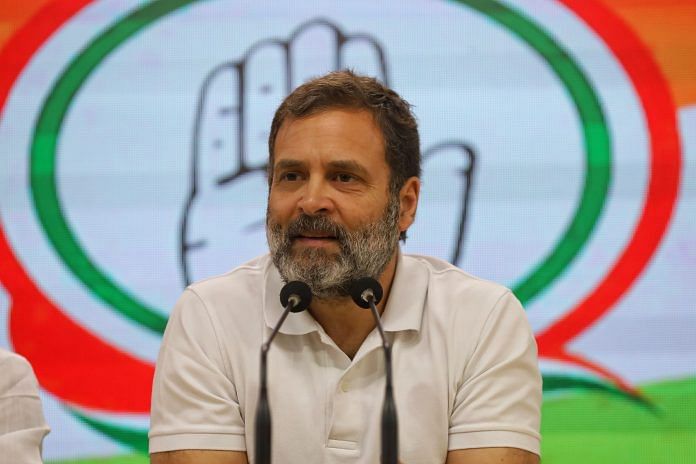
(668, 28)
(14, 14)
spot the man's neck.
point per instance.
(346, 323)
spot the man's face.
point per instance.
(330, 216)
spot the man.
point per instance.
(22, 424)
(344, 183)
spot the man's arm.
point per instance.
(194, 398)
(497, 409)
(491, 456)
(199, 457)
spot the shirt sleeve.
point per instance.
(498, 400)
(22, 423)
(194, 400)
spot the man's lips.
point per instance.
(313, 235)
(314, 239)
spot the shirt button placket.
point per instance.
(346, 422)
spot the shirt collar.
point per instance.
(404, 310)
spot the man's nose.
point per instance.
(316, 198)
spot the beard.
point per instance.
(363, 252)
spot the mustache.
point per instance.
(305, 224)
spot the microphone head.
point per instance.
(361, 288)
(297, 291)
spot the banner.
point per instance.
(559, 150)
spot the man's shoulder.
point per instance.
(249, 275)
(229, 300)
(444, 275)
(10, 360)
(18, 376)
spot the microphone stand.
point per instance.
(295, 296)
(390, 427)
(263, 410)
(366, 293)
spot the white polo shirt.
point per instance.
(22, 423)
(464, 363)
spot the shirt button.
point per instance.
(345, 386)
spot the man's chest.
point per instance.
(327, 408)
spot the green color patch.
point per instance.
(123, 459)
(592, 427)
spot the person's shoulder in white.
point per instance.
(454, 281)
(492, 347)
(22, 423)
(235, 279)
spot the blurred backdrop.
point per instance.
(559, 145)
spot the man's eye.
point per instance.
(343, 177)
(290, 176)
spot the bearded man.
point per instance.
(344, 171)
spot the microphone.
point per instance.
(367, 293)
(295, 297)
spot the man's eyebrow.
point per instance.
(350, 166)
(288, 164)
(338, 165)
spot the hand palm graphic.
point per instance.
(223, 218)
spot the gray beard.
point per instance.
(364, 252)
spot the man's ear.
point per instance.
(408, 200)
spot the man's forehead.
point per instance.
(324, 110)
(349, 127)
(363, 154)
(330, 113)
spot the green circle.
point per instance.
(50, 120)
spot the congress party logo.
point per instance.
(142, 136)
(230, 134)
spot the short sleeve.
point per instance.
(498, 401)
(194, 400)
(22, 423)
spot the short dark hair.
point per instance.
(345, 89)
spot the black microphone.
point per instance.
(295, 297)
(367, 293)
